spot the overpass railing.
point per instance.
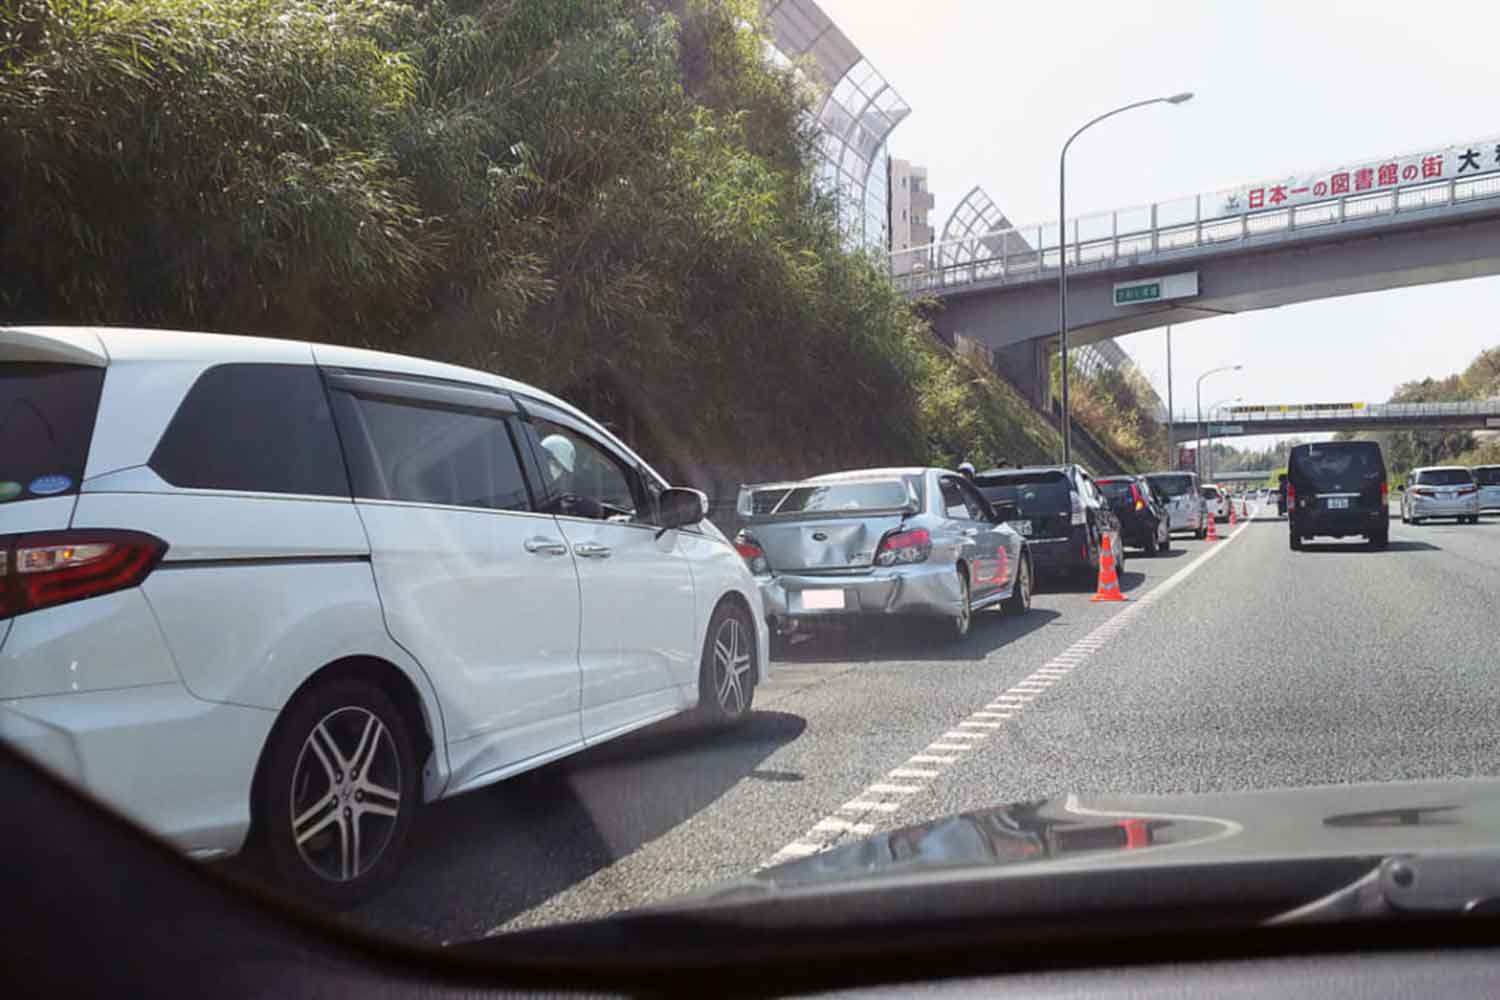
(1344, 413)
(1328, 198)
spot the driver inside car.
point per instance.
(563, 497)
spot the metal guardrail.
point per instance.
(1023, 253)
(1343, 414)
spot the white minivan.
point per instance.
(255, 587)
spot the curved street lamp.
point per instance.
(1213, 411)
(1198, 442)
(1062, 252)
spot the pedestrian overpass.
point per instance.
(1241, 421)
(1403, 220)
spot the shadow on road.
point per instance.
(907, 639)
(478, 860)
(1396, 545)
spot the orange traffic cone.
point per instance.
(1109, 581)
(1232, 518)
(1213, 534)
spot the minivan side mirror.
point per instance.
(681, 507)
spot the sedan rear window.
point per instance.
(1445, 477)
(1115, 489)
(46, 422)
(1487, 475)
(880, 494)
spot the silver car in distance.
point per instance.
(907, 541)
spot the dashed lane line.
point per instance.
(853, 819)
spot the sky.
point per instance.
(996, 86)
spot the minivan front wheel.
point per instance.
(726, 676)
(339, 788)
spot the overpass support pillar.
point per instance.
(1028, 365)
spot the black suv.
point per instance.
(1141, 510)
(1338, 488)
(1061, 513)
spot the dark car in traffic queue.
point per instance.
(1145, 522)
(1338, 488)
(1060, 512)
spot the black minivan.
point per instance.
(1338, 488)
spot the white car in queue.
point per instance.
(292, 590)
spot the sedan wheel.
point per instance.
(338, 790)
(1019, 601)
(726, 685)
(959, 624)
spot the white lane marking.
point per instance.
(833, 830)
(862, 805)
(980, 725)
(931, 758)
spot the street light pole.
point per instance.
(1171, 453)
(1198, 441)
(1211, 411)
(1062, 254)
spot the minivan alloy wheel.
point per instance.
(732, 665)
(345, 795)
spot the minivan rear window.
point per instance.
(1337, 464)
(47, 416)
(1173, 485)
(1445, 477)
(1487, 475)
(1115, 489)
(1031, 492)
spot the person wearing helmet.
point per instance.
(966, 469)
(563, 498)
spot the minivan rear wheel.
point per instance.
(338, 791)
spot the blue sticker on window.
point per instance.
(47, 485)
(9, 490)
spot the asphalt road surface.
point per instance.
(1234, 665)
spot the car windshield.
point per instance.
(1445, 477)
(1031, 492)
(470, 466)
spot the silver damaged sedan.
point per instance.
(910, 541)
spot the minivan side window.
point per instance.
(434, 455)
(258, 428)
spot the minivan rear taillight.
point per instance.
(43, 570)
(1140, 504)
(1467, 490)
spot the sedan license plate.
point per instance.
(1338, 503)
(823, 600)
(1024, 527)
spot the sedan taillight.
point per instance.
(904, 547)
(750, 550)
(1425, 493)
(44, 570)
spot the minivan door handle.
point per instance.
(591, 550)
(546, 546)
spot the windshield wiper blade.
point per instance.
(1449, 884)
